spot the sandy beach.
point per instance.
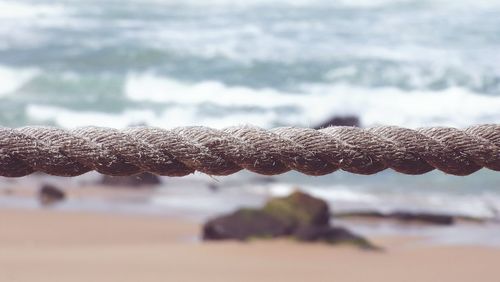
(44, 245)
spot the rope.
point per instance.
(184, 150)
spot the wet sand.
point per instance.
(41, 245)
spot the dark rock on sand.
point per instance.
(299, 216)
(48, 195)
(264, 179)
(140, 180)
(299, 209)
(280, 216)
(404, 217)
(331, 235)
(340, 121)
(244, 224)
(213, 187)
(437, 219)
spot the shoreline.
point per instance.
(195, 202)
(79, 246)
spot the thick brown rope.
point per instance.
(183, 150)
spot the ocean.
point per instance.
(220, 63)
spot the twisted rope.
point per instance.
(183, 150)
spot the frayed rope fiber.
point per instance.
(184, 150)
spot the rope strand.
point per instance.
(184, 150)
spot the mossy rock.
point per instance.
(299, 209)
(244, 224)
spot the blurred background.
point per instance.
(269, 63)
(219, 63)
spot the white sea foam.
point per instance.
(69, 119)
(334, 193)
(308, 3)
(177, 116)
(186, 104)
(246, 3)
(157, 89)
(436, 3)
(12, 79)
(315, 103)
(17, 10)
(22, 24)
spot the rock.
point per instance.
(140, 180)
(280, 216)
(264, 179)
(213, 187)
(340, 121)
(298, 216)
(299, 209)
(48, 195)
(407, 217)
(436, 219)
(331, 235)
(244, 224)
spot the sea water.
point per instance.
(219, 63)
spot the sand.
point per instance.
(37, 245)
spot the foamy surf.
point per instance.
(11, 79)
(17, 10)
(165, 102)
(312, 104)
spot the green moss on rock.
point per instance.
(298, 216)
(244, 224)
(299, 209)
